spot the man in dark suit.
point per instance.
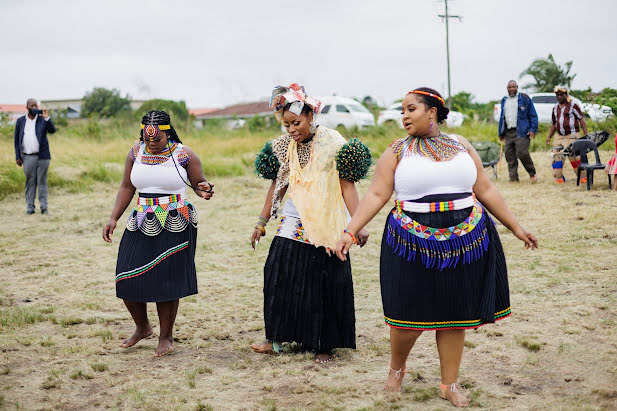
(32, 151)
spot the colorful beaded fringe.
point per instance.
(440, 325)
(438, 148)
(439, 248)
(152, 219)
(147, 267)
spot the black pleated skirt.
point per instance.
(466, 295)
(308, 297)
(156, 268)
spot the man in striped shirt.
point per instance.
(567, 120)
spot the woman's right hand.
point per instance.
(343, 245)
(257, 234)
(108, 230)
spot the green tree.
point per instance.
(463, 102)
(104, 103)
(547, 74)
(176, 109)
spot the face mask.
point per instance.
(34, 111)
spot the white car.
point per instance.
(341, 111)
(393, 114)
(544, 103)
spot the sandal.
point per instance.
(398, 376)
(453, 388)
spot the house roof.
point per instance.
(13, 108)
(241, 110)
(197, 112)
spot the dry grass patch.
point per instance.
(563, 296)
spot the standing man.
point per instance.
(518, 124)
(32, 151)
(567, 115)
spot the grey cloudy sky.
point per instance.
(213, 53)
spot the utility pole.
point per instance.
(446, 17)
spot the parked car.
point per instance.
(341, 111)
(394, 114)
(544, 103)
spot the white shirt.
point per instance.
(30, 144)
(417, 176)
(511, 111)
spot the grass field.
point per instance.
(61, 324)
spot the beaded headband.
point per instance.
(151, 131)
(426, 93)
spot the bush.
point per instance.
(176, 109)
(104, 103)
(256, 123)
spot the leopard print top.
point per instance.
(280, 147)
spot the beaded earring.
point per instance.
(431, 125)
(313, 128)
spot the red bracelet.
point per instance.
(353, 237)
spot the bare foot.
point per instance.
(322, 358)
(165, 347)
(263, 348)
(453, 394)
(395, 380)
(137, 335)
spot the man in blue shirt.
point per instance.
(518, 124)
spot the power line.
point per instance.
(446, 17)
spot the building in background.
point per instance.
(235, 116)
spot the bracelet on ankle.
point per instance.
(353, 237)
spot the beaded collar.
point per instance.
(439, 148)
(166, 152)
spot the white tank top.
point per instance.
(157, 173)
(417, 176)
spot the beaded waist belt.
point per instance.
(153, 215)
(439, 206)
(173, 198)
(439, 247)
(292, 228)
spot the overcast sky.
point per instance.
(214, 53)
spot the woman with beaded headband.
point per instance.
(156, 257)
(308, 292)
(442, 266)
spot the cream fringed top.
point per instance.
(314, 187)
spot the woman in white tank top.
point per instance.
(156, 257)
(442, 267)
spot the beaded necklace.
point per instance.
(439, 148)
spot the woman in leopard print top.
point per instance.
(308, 292)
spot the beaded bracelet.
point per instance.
(263, 221)
(353, 237)
(261, 228)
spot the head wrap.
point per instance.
(294, 94)
(563, 89)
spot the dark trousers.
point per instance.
(517, 148)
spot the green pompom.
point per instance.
(353, 160)
(266, 163)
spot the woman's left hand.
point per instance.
(527, 237)
(362, 237)
(208, 190)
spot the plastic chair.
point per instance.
(490, 154)
(581, 147)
